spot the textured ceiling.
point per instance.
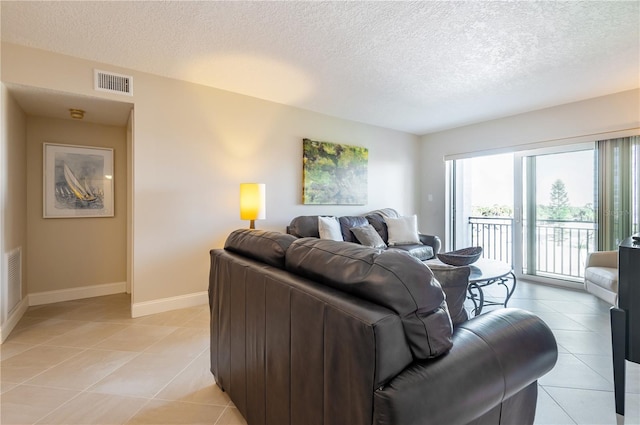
(413, 66)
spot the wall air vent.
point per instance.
(113, 83)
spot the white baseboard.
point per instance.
(13, 319)
(49, 297)
(167, 304)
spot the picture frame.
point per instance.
(77, 181)
(334, 174)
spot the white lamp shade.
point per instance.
(252, 201)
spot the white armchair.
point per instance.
(601, 275)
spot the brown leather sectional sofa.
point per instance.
(310, 331)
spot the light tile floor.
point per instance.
(88, 362)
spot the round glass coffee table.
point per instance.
(485, 272)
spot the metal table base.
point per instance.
(476, 294)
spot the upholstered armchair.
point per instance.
(601, 275)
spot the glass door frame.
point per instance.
(524, 188)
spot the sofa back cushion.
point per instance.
(385, 212)
(304, 226)
(378, 223)
(389, 278)
(347, 223)
(268, 247)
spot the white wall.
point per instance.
(14, 174)
(592, 118)
(193, 146)
(13, 200)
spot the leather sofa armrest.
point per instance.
(493, 357)
(433, 241)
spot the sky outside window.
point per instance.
(575, 169)
(492, 178)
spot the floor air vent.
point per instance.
(113, 83)
(14, 280)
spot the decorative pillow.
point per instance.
(368, 236)
(329, 228)
(454, 281)
(403, 230)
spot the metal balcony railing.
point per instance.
(494, 235)
(559, 248)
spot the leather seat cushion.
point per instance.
(605, 277)
(421, 252)
(389, 278)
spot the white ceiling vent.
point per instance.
(113, 83)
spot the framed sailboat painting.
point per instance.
(78, 181)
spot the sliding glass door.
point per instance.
(533, 210)
(544, 210)
(557, 218)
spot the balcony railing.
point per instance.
(494, 235)
(560, 249)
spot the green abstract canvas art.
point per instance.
(334, 173)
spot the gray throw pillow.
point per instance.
(368, 236)
(454, 282)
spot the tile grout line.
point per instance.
(559, 405)
(80, 392)
(180, 372)
(50, 367)
(221, 414)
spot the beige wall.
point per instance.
(193, 146)
(66, 253)
(13, 177)
(191, 155)
(556, 125)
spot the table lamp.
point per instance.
(252, 202)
